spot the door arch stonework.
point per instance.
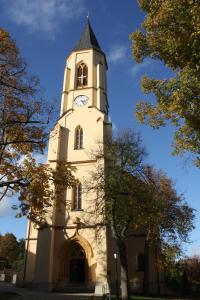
(77, 241)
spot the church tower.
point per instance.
(73, 252)
(76, 253)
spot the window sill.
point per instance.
(79, 148)
(82, 86)
(76, 209)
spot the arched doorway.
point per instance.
(77, 264)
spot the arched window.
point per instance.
(140, 262)
(78, 138)
(82, 75)
(77, 197)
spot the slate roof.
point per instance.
(88, 39)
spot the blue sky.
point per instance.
(46, 31)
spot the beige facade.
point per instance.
(76, 253)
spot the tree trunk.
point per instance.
(157, 269)
(125, 291)
(146, 268)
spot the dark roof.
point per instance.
(88, 39)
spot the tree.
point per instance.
(9, 248)
(12, 250)
(117, 188)
(44, 189)
(19, 262)
(172, 267)
(191, 267)
(167, 218)
(183, 274)
(24, 121)
(171, 33)
(131, 196)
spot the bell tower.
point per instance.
(85, 75)
(73, 251)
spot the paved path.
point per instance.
(29, 294)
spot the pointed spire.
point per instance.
(88, 39)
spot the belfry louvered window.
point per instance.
(77, 197)
(78, 138)
(82, 75)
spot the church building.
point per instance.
(76, 253)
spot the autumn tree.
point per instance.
(192, 267)
(115, 184)
(24, 119)
(136, 200)
(167, 218)
(9, 248)
(13, 250)
(183, 274)
(43, 188)
(21, 115)
(19, 262)
(171, 33)
(172, 267)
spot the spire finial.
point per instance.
(88, 15)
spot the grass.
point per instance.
(7, 295)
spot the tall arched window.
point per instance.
(82, 75)
(78, 138)
(77, 197)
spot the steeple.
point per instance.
(88, 39)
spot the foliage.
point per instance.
(115, 184)
(122, 185)
(171, 33)
(19, 262)
(182, 274)
(192, 267)
(132, 197)
(21, 115)
(172, 267)
(23, 133)
(44, 186)
(12, 250)
(169, 218)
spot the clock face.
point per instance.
(81, 100)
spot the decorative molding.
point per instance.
(73, 162)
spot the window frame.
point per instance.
(77, 197)
(82, 75)
(78, 138)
